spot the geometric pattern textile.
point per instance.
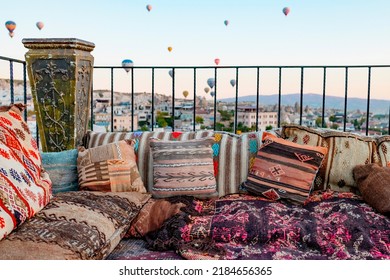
(345, 151)
(110, 167)
(183, 168)
(24, 187)
(283, 169)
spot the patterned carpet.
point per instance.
(135, 249)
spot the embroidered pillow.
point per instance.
(110, 167)
(24, 187)
(183, 168)
(62, 169)
(283, 169)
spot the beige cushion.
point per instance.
(110, 167)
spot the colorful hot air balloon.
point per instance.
(40, 25)
(170, 72)
(233, 82)
(211, 82)
(10, 25)
(185, 93)
(286, 10)
(169, 49)
(149, 7)
(206, 90)
(127, 64)
(217, 60)
(226, 22)
(212, 93)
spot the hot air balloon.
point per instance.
(169, 49)
(149, 7)
(170, 72)
(206, 90)
(216, 61)
(233, 82)
(185, 93)
(212, 93)
(10, 25)
(40, 25)
(226, 22)
(127, 64)
(211, 82)
(286, 10)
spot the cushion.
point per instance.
(152, 216)
(283, 169)
(24, 187)
(62, 169)
(230, 152)
(337, 172)
(374, 185)
(75, 225)
(183, 168)
(383, 143)
(110, 167)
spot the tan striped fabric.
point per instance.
(183, 168)
(109, 167)
(232, 154)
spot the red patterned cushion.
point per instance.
(283, 169)
(24, 187)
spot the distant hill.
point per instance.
(378, 106)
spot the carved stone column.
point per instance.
(60, 74)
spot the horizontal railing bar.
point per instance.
(11, 59)
(254, 67)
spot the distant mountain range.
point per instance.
(377, 106)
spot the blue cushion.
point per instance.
(62, 169)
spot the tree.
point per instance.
(268, 127)
(319, 122)
(332, 118)
(199, 120)
(226, 115)
(145, 128)
(334, 126)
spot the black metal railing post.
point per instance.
(173, 99)
(257, 98)
(301, 98)
(194, 112)
(215, 98)
(132, 99)
(280, 95)
(368, 99)
(345, 99)
(11, 80)
(25, 89)
(112, 99)
(153, 97)
(323, 99)
(236, 104)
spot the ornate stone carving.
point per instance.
(60, 73)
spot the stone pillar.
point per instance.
(60, 74)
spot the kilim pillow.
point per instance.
(383, 143)
(183, 168)
(345, 151)
(62, 169)
(110, 167)
(24, 187)
(374, 185)
(283, 169)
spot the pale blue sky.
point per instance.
(316, 32)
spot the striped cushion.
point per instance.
(183, 168)
(283, 169)
(110, 167)
(232, 154)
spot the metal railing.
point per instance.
(258, 69)
(197, 70)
